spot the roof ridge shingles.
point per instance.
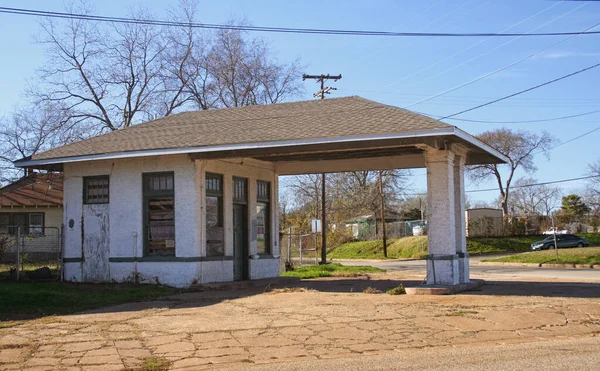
(311, 119)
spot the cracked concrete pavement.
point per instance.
(326, 318)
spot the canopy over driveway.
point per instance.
(319, 136)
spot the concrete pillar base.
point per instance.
(444, 289)
(463, 267)
(442, 269)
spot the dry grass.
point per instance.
(286, 290)
(371, 290)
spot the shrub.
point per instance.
(400, 290)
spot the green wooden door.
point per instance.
(240, 243)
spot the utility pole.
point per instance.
(382, 214)
(321, 94)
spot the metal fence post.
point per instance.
(300, 249)
(18, 252)
(289, 252)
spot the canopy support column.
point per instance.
(442, 261)
(460, 157)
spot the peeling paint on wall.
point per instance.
(96, 243)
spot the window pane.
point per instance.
(159, 182)
(214, 226)
(262, 229)
(36, 223)
(239, 189)
(161, 225)
(214, 183)
(4, 223)
(96, 190)
(262, 191)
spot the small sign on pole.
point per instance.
(315, 226)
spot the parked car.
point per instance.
(558, 231)
(562, 240)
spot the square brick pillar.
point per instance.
(442, 261)
(460, 158)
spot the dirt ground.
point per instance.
(324, 318)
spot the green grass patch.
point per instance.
(407, 247)
(489, 245)
(155, 364)
(330, 270)
(416, 247)
(583, 255)
(25, 300)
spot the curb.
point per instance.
(545, 265)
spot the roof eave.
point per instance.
(29, 162)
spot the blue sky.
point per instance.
(401, 71)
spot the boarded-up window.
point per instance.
(96, 189)
(159, 205)
(263, 217)
(214, 215)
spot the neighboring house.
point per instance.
(365, 226)
(484, 222)
(34, 203)
(33, 207)
(192, 198)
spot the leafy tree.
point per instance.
(573, 208)
(520, 147)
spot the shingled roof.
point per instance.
(34, 190)
(268, 125)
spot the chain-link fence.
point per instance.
(30, 253)
(299, 249)
(366, 231)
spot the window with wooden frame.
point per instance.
(96, 189)
(263, 213)
(215, 245)
(159, 214)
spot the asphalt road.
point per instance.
(500, 271)
(570, 354)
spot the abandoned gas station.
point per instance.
(192, 198)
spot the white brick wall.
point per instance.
(126, 219)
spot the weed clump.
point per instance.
(371, 290)
(400, 290)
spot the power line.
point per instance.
(479, 97)
(521, 92)
(568, 141)
(155, 22)
(498, 70)
(487, 52)
(520, 122)
(536, 184)
(519, 186)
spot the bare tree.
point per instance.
(520, 147)
(534, 200)
(112, 76)
(108, 78)
(245, 73)
(28, 131)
